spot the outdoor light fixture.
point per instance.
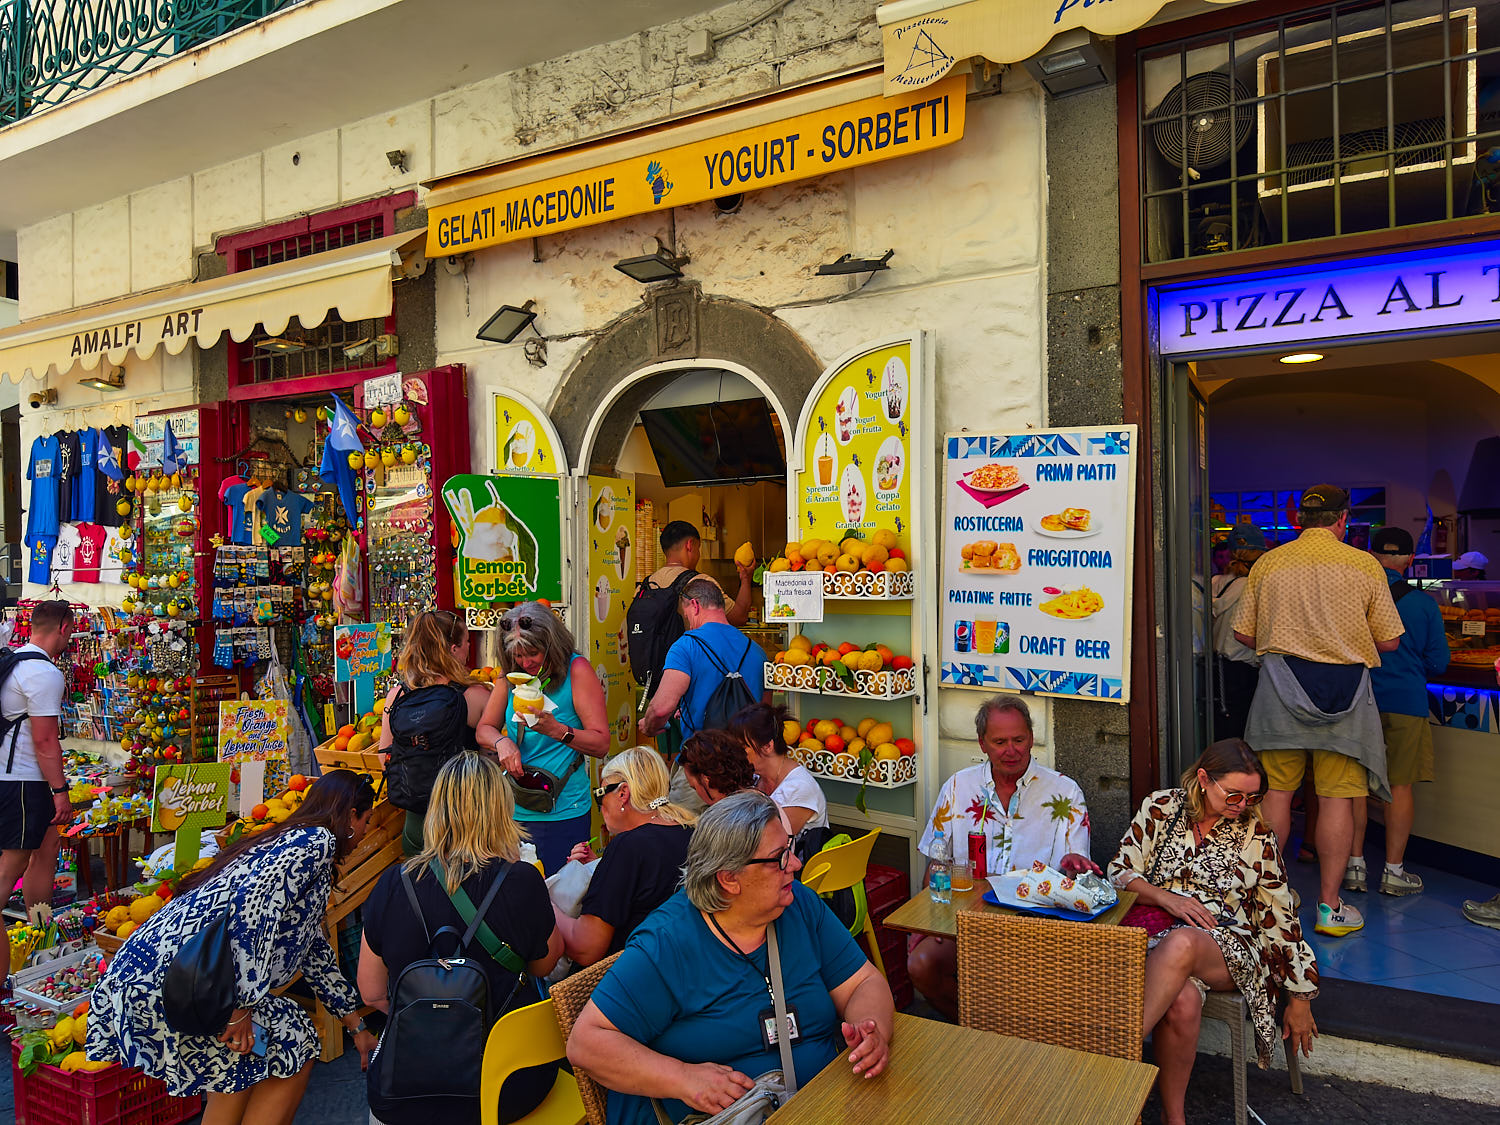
(396, 158)
(1072, 63)
(507, 323)
(111, 380)
(281, 345)
(1302, 357)
(659, 265)
(850, 264)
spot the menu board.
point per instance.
(1036, 546)
(856, 449)
(611, 553)
(525, 441)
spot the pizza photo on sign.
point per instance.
(994, 477)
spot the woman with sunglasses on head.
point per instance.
(435, 707)
(681, 1015)
(643, 864)
(547, 747)
(1212, 891)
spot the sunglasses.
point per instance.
(1234, 798)
(605, 790)
(782, 859)
(522, 623)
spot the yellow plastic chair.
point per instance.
(528, 1036)
(833, 869)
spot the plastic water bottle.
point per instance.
(940, 882)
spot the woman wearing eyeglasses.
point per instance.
(534, 641)
(1211, 889)
(642, 866)
(681, 1015)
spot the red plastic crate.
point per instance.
(116, 1096)
(886, 889)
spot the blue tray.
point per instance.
(1046, 911)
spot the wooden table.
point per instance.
(940, 1072)
(921, 915)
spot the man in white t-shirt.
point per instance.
(33, 788)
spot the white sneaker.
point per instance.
(1338, 923)
(1355, 877)
(1403, 884)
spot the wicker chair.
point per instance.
(569, 996)
(1071, 984)
(1230, 1007)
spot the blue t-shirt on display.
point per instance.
(282, 512)
(84, 476)
(239, 523)
(44, 473)
(680, 991)
(40, 568)
(729, 645)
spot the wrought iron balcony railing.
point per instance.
(54, 50)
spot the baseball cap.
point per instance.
(1246, 537)
(1392, 541)
(1324, 498)
(1470, 560)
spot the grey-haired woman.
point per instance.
(534, 641)
(681, 1014)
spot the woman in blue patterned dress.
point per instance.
(275, 884)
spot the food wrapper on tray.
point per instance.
(1093, 892)
(1047, 886)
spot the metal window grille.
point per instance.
(333, 347)
(1351, 118)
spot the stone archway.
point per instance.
(675, 324)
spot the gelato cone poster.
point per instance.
(509, 532)
(361, 655)
(525, 441)
(611, 543)
(856, 450)
(188, 799)
(252, 730)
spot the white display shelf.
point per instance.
(865, 585)
(819, 680)
(889, 773)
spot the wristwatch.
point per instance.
(61, 789)
(357, 1028)
(567, 739)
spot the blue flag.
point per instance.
(171, 453)
(343, 439)
(107, 460)
(1424, 543)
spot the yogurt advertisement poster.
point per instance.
(252, 730)
(1037, 536)
(610, 533)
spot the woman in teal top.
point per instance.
(534, 641)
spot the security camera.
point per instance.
(43, 398)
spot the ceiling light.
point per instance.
(111, 380)
(507, 323)
(660, 265)
(850, 264)
(1302, 357)
(280, 345)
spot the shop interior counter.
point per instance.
(1471, 619)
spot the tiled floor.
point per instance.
(1419, 942)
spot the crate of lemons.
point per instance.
(267, 814)
(845, 669)
(124, 918)
(60, 1045)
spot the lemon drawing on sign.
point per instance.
(489, 535)
(172, 805)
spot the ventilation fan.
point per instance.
(1366, 151)
(1201, 122)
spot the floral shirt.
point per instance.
(1045, 818)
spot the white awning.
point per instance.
(355, 280)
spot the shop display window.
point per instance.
(1349, 119)
(1274, 510)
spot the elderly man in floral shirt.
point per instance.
(1026, 812)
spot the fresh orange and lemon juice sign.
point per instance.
(795, 148)
(253, 730)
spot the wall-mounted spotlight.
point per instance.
(1074, 62)
(660, 265)
(42, 398)
(112, 379)
(507, 323)
(850, 264)
(396, 158)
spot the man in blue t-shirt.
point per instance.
(690, 673)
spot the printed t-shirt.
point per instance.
(111, 566)
(637, 873)
(683, 993)
(88, 556)
(111, 491)
(729, 646)
(250, 504)
(62, 554)
(282, 512)
(39, 570)
(41, 511)
(84, 477)
(35, 689)
(798, 790)
(67, 461)
(239, 525)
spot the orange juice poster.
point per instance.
(855, 473)
(611, 553)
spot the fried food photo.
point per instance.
(1073, 605)
(995, 477)
(986, 554)
(1076, 519)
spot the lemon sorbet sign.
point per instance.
(509, 531)
(188, 799)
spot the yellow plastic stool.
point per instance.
(528, 1036)
(833, 869)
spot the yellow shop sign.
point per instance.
(795, 148)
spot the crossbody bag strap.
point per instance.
(1157, 850)
(416, 907)
(778, 998)
(489, 941)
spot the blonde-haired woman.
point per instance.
(641, 868)
(1211, 891)
(551, 751)
(430, 714)
(471, 840)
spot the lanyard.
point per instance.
(744, 956)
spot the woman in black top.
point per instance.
(641, 868)
(471, 831)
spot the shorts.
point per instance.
(1334, 774)
(26, 812)
(1408, 748)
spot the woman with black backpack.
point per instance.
(454, 938)
(430, 716)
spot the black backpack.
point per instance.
(652, 625)
(440, 1015)
(11, 728)
(732, 693)
(429, 726)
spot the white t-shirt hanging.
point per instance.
(63, 554)
(111, 569)
(34, 689)
(798, 790)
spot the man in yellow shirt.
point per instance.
(1319, 613)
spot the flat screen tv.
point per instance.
(715, 443)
